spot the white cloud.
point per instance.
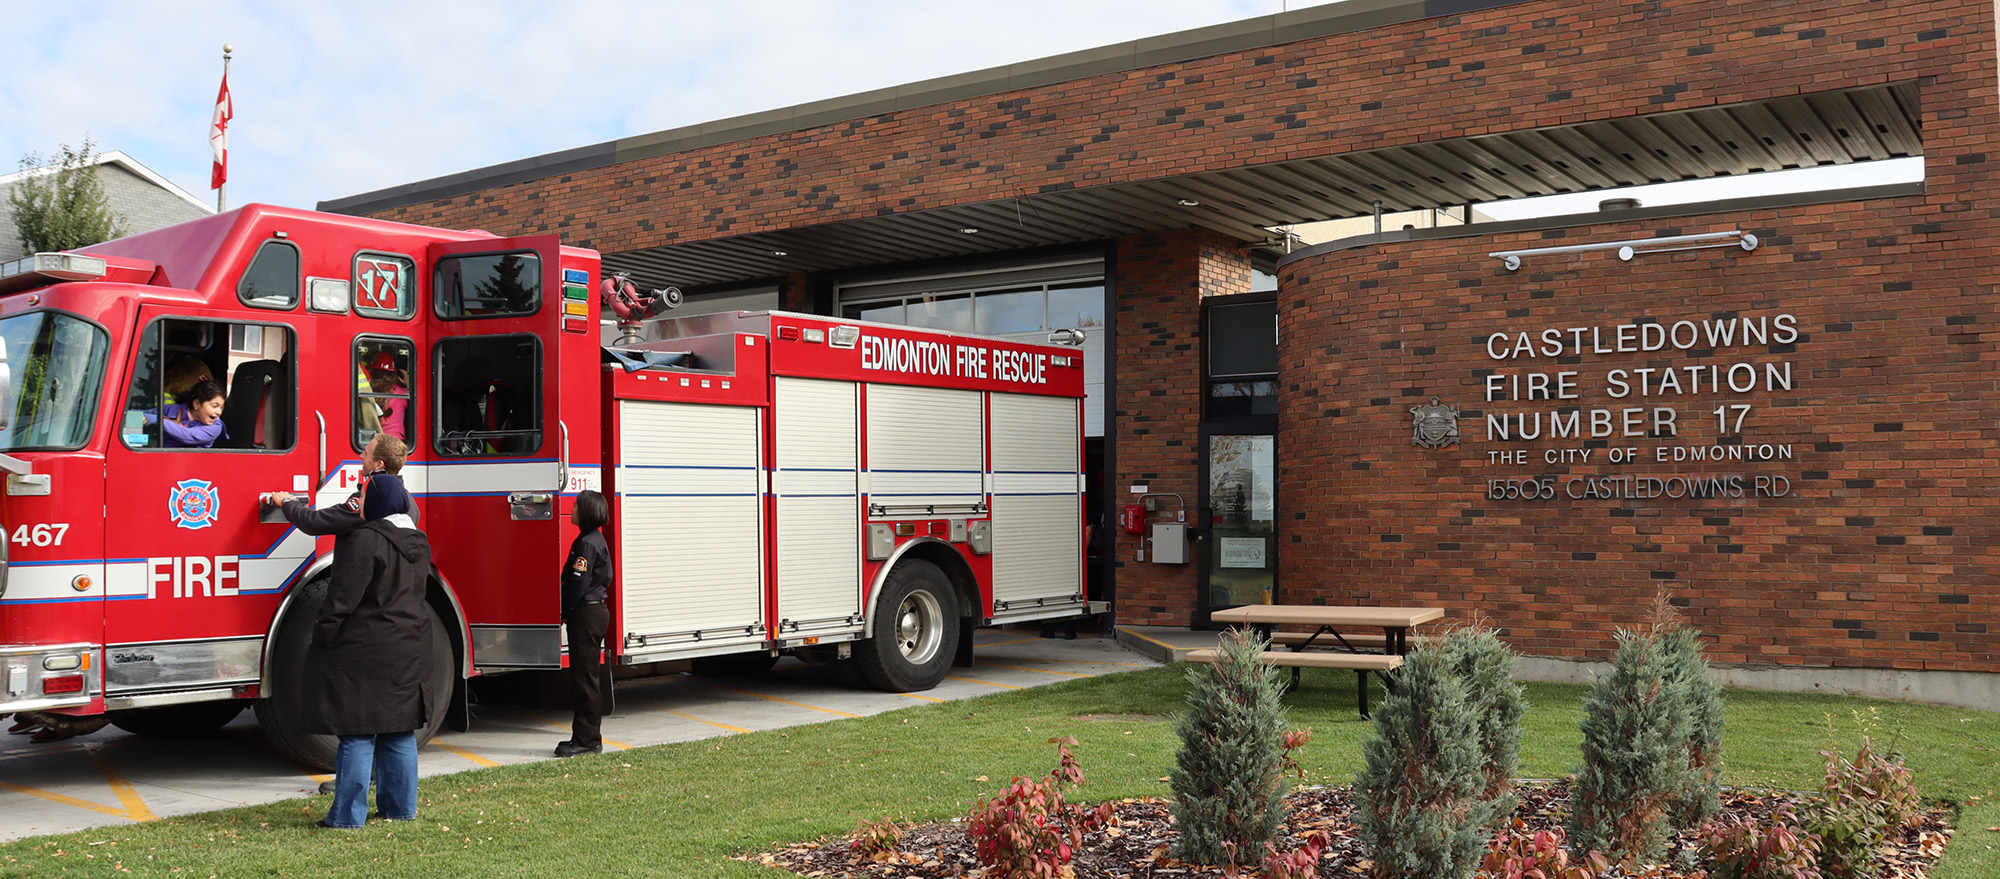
(335, 99)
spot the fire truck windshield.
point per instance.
(57, 363)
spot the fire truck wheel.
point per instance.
(735, 665)
(915, 631)
(167, 721)
(279, 713)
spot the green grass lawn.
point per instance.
(683, 809)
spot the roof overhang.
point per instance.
(1812, 130)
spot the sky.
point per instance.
(338, 99)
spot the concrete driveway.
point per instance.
(113, 777)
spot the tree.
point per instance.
(61, 206)
(1229, 782)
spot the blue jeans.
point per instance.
(391, 759)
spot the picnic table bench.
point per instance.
(1315, 649)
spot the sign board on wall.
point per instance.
(1668, 421)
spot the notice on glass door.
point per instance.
(1241, 552)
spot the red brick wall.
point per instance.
(1160, 282)
(1520, 66)
(1884, 553)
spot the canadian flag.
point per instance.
(218, 135)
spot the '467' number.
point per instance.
(40, 535)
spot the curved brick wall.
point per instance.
(1879, 551)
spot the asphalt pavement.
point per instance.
(113, 777)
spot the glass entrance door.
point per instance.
(1239, 501)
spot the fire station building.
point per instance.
(1782, 411)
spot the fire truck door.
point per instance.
(499, 451)
(214, 416)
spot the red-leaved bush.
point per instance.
(1299, 863)
(1032, 830)
(1747, 849)
(1520, 855)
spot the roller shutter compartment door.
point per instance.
(924, 451)
(1037, 505)
(819, 508)
(691, 535)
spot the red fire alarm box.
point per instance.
(1132, 518)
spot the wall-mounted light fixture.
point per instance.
(1639, 247)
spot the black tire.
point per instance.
(171, 721)
(735, 665)
(914, 635)
(279, 713)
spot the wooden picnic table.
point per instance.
(1328, 619)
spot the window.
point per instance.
(246, 339)
(272, 280)
(489, 396)
(1078, 307)
(887, 313)
(1010, 311)
(952, 314)
(383, 399)
(489, 285)
(193, 388)
(58, 369)
(382, 286)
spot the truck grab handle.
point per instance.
(562, 463)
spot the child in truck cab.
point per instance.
(193, 423)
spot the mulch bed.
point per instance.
(1135, 846)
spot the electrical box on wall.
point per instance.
(1169, 543)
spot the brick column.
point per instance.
(1160, 282)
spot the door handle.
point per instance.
(562, 463)
(531, 506)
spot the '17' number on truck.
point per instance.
(41, 535)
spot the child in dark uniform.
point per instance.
(586, 580)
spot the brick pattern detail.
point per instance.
(1522, 66)
(1160, 282)
(1883, 553)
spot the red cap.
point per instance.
(383, 361)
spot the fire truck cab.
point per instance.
(779, 482)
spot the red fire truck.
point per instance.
(780, 483)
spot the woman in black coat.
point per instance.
(368, 666)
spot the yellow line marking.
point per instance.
(475, 758)
(1039, 671)
(998, 643)
(319, 778)
(925, 698)
(699, 720)
(54, 797)
(547, 722)
(789, 702)
(987, 683)
(128, 796)
(1153, 640)
(1063, 661)
(134, 808)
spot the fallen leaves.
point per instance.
(1137, 842)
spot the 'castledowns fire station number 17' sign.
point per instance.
(1670, 401)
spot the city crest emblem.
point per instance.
(193, 503)
(1436, 425)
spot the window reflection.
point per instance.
(1010, 311)
(949, 313)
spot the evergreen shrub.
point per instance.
(1487, 667)
(1228, 781)
(1635, 771)
(1421, 803)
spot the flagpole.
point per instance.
(222, 192)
